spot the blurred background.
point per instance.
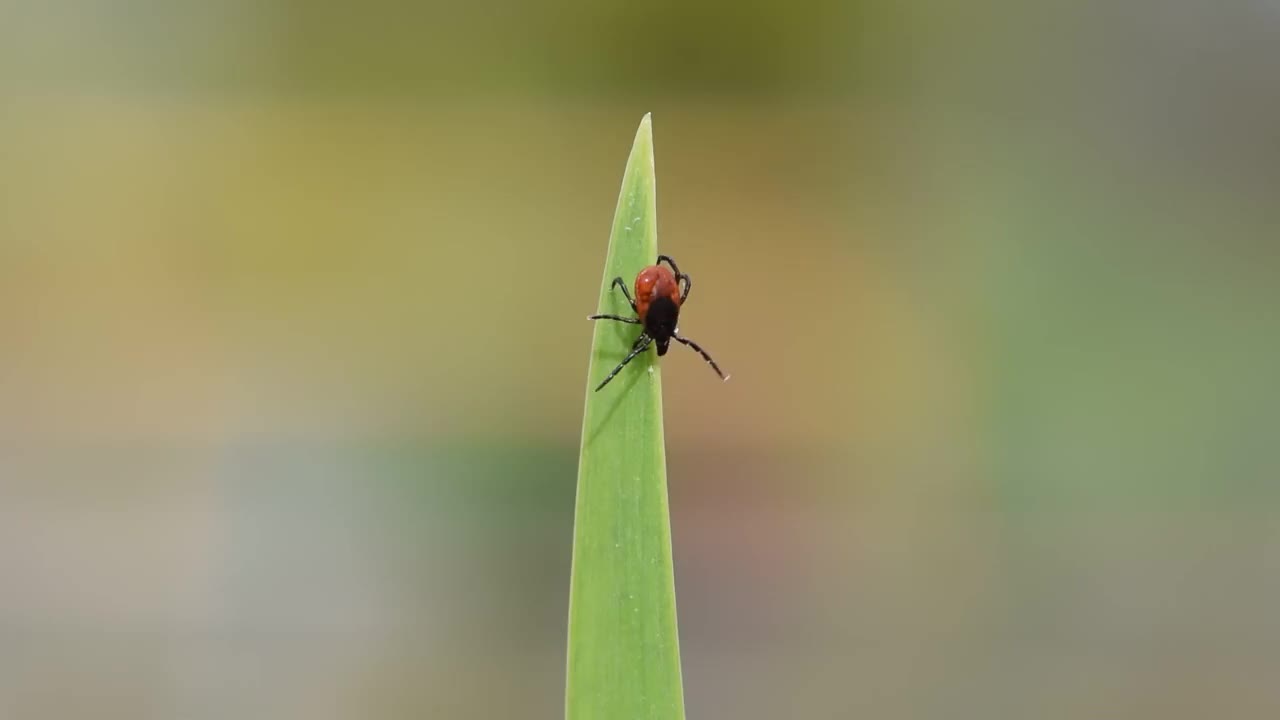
(293, 357)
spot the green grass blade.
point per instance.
(624, 658)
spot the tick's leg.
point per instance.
(619, 318)
(680, 277)
(704, 355)
(623, 286)
(642, 343)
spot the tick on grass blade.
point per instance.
(660, 293)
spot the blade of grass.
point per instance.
(624, 657)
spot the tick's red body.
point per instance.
(653, 282)
(658, 303)
(660, 292)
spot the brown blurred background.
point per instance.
(293, 353)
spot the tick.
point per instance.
(660, 293)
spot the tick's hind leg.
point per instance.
(625, 293)
(681, 278)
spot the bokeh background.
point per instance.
(293, 353)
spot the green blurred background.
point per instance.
(293, 353)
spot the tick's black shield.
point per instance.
(660, 321)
